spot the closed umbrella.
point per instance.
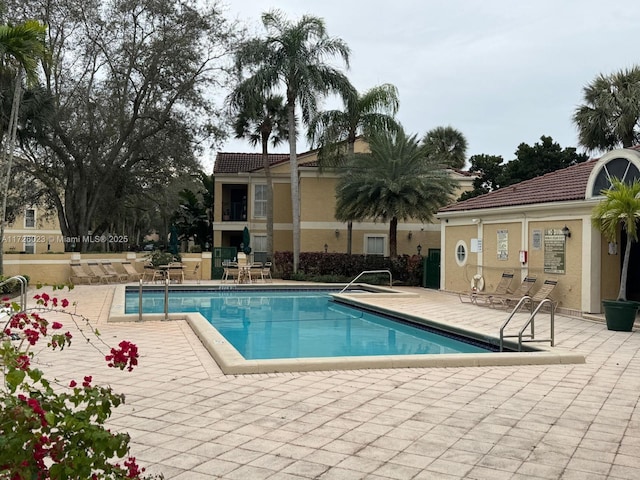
(173, 240)
(246, 240)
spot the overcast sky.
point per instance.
(502, 72)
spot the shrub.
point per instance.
(50, 430)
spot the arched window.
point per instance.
(619, 167)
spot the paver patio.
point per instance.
(189, 421)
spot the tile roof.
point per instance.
(560, 186)
(244, 162)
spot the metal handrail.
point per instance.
(369, 271)
(530, 321)
(23, 289)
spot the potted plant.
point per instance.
(619, 207)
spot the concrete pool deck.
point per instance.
(190, 421)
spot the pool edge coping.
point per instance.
(232, 363)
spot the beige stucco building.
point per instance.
(33, 231)
(240, 200)
(542, 227)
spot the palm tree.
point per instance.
(373, 110)
(260, 119)
(397, 180)
(620, 207)
(447, 145)
(21, 47)
(611, 111)
(294, 56)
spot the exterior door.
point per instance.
(432, 269)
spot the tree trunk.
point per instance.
(393, 238)
(267, 173)
(622, 294)
(295, 182)
(9, 145)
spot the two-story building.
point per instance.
(240, 201)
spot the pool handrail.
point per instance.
(369, 271)
(23, 289)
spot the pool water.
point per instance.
(302, 324)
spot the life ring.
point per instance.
(477, 283)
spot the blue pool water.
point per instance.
(301, 324)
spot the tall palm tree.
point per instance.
(294, 56)
(21, 47)
(447, 145)
(259, 120)
(611, 111)
(396, 180)
(330, 130)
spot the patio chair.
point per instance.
(507, 299)
(110, 270)
(151, 273)
(79, 275)
(231, 270)
(132, 273)
(255, 272)
(100, 273)
(501, 289)
(175, 271)
(266, 272)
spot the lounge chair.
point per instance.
(508, 299)
(78, 275)
(543, 293)
(100, 273)
(501, 289)
(110, 270)
(132, 273)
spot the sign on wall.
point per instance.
(503, 244)
(536, 239)
(554, 251)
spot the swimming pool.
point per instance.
(304, 324)
(231, 361)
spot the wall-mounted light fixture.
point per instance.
(409, 235)
(337, 232)
(566, 232)
(326, 247)
(419, 248)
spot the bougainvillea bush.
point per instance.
(55, 429)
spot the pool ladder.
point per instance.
(23, 289)
(531, 336)
(369, 271)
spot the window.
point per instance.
(30, 218)
(461, 253)
(260, 201)
(259, 248)
(374, 245)
(30, 244)
(621, 168)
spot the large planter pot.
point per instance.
(620, 314)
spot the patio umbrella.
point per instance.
(173, 240)
(246, 240)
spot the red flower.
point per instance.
(56, 325)
(72, 383)
(87, 381)
(124, 357)
(65, 303)
(23, 362)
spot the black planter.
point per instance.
(620, 314)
